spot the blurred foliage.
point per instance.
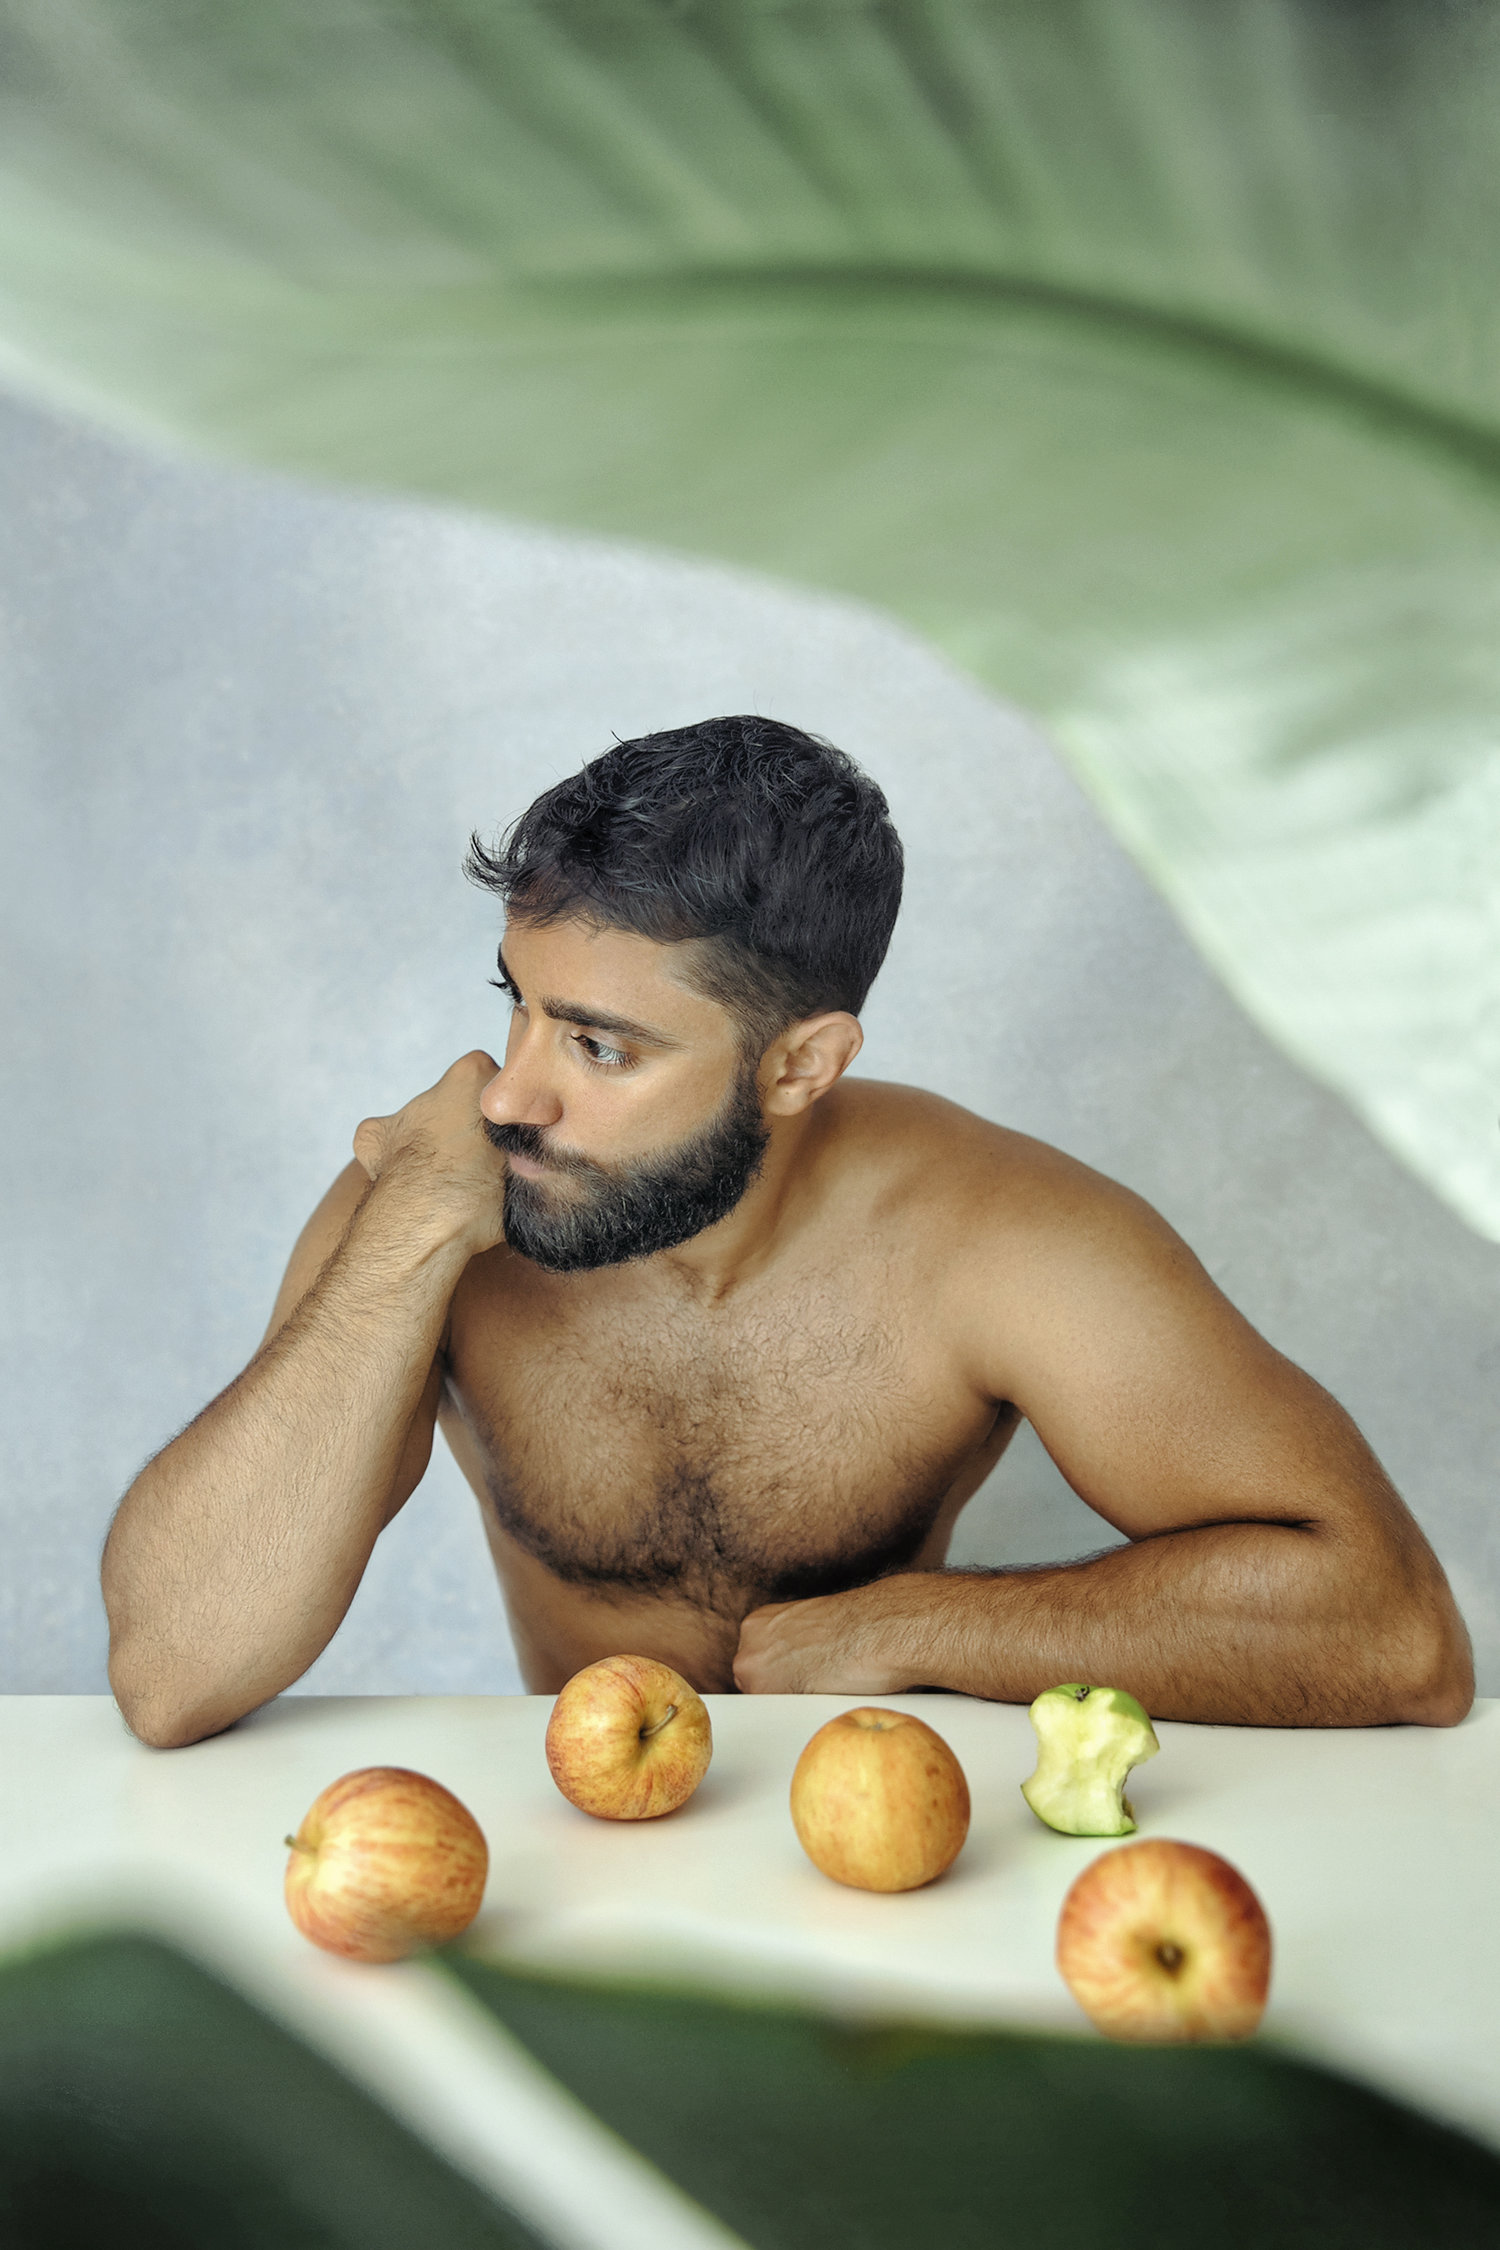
(145, 2106)
(1143, 354)
(807, 2135)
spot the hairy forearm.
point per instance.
(1261, 1624)
(237, 1550)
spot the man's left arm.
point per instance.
(1273, 1576)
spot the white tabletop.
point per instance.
(1374, 1851)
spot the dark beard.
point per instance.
(639, 1209)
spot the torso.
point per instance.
(650, 1469)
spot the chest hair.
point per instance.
(762, 1460)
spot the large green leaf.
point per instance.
(146, 2106)
(805, 2134)
(1144, 354)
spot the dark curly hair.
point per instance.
(764, 851)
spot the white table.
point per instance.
(1375, 1853)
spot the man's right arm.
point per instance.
(236, 1552)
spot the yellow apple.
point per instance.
(386, 1863)
(880, 1802)
(628, 1739)
(1165, 1941)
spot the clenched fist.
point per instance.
(433, 1160)
(856, 1643)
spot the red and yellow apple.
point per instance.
(386, 1863)
(628, 1739)
(1165, 1941)
(879, 1801)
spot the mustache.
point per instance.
(527, 1141)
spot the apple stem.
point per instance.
(292, 1844)
(1170, 1957)
(647, 1732)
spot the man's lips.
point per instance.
(555, 1164)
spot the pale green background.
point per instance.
(1144, 353)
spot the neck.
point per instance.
(757, 1230)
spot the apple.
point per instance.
(628, 1739)
(386, 1863)
(1088, 1738)
(879, 1801)
(1165, 1941)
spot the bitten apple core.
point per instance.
(1088, 1739)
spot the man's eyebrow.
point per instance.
(593, 1019)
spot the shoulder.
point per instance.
(1031, 1250)
(964, 1172)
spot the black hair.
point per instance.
(764, 850)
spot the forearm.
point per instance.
(237, 1550)
(1260, 1624)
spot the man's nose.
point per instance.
(518, 1093)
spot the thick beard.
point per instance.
(638, 1210)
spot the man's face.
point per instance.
(628, 1112)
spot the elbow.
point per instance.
(158, 1716)
(139, 1679)
(1433, 1684)
(167, 1697)
(1446, 1696)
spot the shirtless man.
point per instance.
(724, 1340)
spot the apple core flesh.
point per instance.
(628, 1739)
(1161, 1941)
(1088, 1739)
(879, 1801)
(386, 1862)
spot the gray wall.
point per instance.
(246, 729)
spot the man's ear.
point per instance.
(807, 1059)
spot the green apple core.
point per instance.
(1088, 1739)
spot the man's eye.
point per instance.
(602, 1057)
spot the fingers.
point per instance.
(369, 1141)
(475, 1066)
(763, 1613)
(755, 1670)
(373, 1135)
(433, 1152)
(750, 1673)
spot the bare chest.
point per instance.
(792, 1450)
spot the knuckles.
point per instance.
(438, 1132)
(476, 1064)
(369, 1143)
